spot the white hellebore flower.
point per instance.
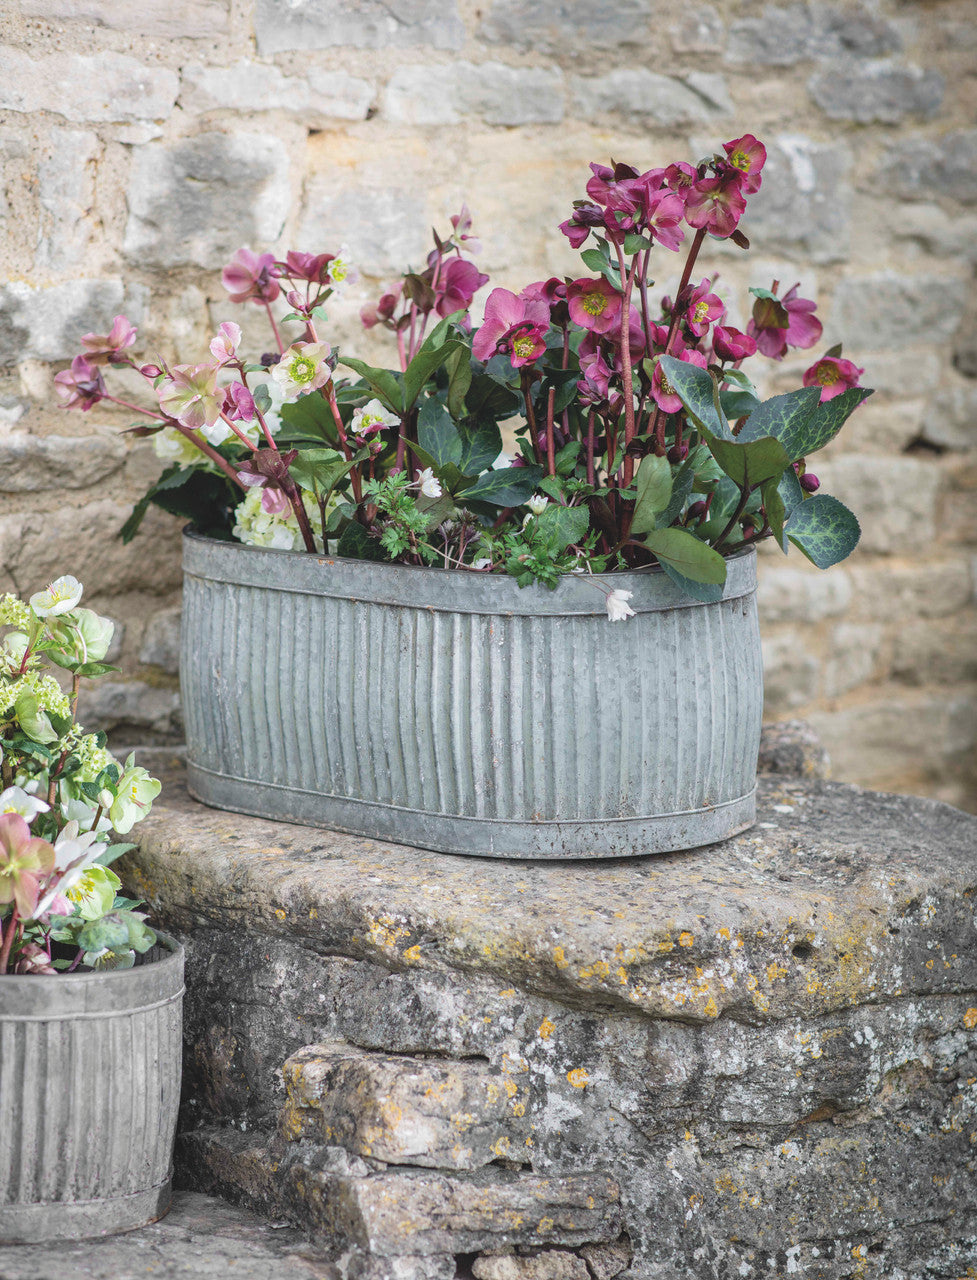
(371, 418)
(617, 605)
(60, 597)
(74, 854)
(17, 800)
(537, 504)
(340, 272)
(429, 483)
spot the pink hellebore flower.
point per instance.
(663, 213)
(661, 389)
(25, 862)
(250, 275)
(585, 217)
(779, 323)
(101, 350)
(224, 347)
(680, 176)
(238, 403)
(313, 267)
(731, 344)
(382, 312)
(748, 156)
(274, 502)
(512, 326)
(303, 368)
(191, 396)
(716, 204)
(461, 225)
(81, 386)
(702, 309)
(457, 285)
(594, 304)
(833, 375)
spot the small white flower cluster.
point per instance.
(256, 527)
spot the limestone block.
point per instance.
(395, 1213)
(488, 91)
(933, 589)
(950, 421)
(804, 204)
(698, 29)
(364, 1266)
(903, 308)
(66, 185)
(784, 35)
(37, 464)
(853, 659)
(554, 1264)
(607, 1260)
(786, 594)
(103, 87)
(316, 97)
(928, 168)
(172, 19)
(944, 655)
(379, 245)
(161, 642)
(369, 24)
(876, 92)
(37, 546)
(569, 25)
(428, 1112)
(198, 200)
(890, 496)
(132, 706)
(791, 674)
(698, 96)
(47, 324)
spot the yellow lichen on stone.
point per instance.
(686, 939)
(280, 913)
(710, 1008)
(413, 954)
(546, 1029)
(776, 971)
(970, 1019)
(578, 1078)
(545, 1224)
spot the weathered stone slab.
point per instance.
(769, 1045)
(440, 1114)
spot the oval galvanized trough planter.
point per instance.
(459, 712)
(89, 1090)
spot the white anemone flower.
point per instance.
(60, 597)
(617, 605)
(537, 504)
(430, 485)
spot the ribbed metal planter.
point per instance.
(89, 1090)
(459, 712)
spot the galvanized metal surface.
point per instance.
(89, 1089)
(458, 712)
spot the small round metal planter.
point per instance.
(459, 712)
(89, 1090)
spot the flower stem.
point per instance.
(208, 450)
(626, 379)
(550, 439)
(274, 326)
(8, 939)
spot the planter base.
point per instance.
(488, 838)
(81, 1220)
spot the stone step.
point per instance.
(201, 1238)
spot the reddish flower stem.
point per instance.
(626, 379)
(530, 415)
(126, 404)
(274, 326)
(8, 939)
(550, 439)
(591, 471)
(329, 391)
(658, 422)
(209, 450)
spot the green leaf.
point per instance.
(385, 385)
(489, 398)
(594, 259)
(111, 852)
(684, 552)
(824, 423)
(308, 418)
(566, 458)
(202, 497)
(781, 416)
(437, 434)
(654, 483)
(480, 446)
(563, 526)
(320, 470)
(764, 293)
(459, 370)
(792, 495)
(431, 356)
(110, 931)
(738, 404)
(775, 508)
(707, 592)
(750, 463)
(696, 389)
(357, 544)
(634, 243)
(824, 530)
(509, 487)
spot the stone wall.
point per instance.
(141, 145)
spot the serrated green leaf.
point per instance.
(823, 423)
(774, 508)
(781, 416)
(437, 434)
(480, 446)
(110, 931)
(764, 293)
(654, 485)
(308, 418)
(320, 470)
(509, 487)
(459, 370)
(750, 463)
(563, 526)
(634, 243)
(823, 529)
(430, 357)
(697, 391)
(685, 553)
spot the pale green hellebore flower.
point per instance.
(134, 796)
(60, 597)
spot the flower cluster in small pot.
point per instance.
(640, 439)
(63, 795)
